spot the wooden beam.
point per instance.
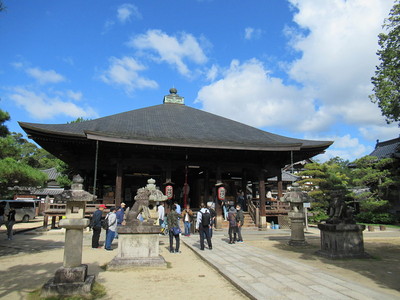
(118, 185)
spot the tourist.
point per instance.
(10, 223)
(213, 217)
(161, 213)
(203, 224)
(120, 219)
(240, 222)
(232, 225)
(96, 225)
(111, 218)
(240, 199)
(187, 216)
(178, 208)
(174, 230)
(225, 209)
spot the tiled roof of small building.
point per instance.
(52, 173)
(286, 176)
(387, 149)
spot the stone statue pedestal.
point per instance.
(297, 237)
(138, 246)
(342, 241)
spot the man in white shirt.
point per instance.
(161, 213)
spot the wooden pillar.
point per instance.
(218, 208)
(206, 191)
(45, 221)
(118, 185)
(168, 175)
(280, 186)
(53, 222)
(244, 188)
(261, 191)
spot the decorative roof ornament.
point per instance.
(173, 97)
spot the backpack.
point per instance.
(104, 223)
(232, 220)
(205, 218)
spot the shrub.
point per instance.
(376, 218)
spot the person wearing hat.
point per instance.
(96, 225)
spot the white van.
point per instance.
(25, 210)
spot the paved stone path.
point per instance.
(261, 274)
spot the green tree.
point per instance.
(21, 161)
(387, 75)
(379, 176)
(4, 117)
(14, 173)
(322, 181)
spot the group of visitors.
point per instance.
(115, 218)
(205, 221)
(7, 218)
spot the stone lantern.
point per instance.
(72, 278)
(296, 197)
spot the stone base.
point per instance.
(126, 263)
(342, 241)
(68, 289)
(137, 250)
(297, 237)
(297, 243)
(71, 275)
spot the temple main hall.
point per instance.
(174, 144)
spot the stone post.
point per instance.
(72, 278)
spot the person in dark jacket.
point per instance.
(96, 225)
(239, 221)
(203, 225)
(173, 222)
(232, 225)
(10, 223)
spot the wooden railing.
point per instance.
(254, 212)
(271, 208)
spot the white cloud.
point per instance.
(337, 42)
(338, 54)
(74, 95)
(42, 106)
(44, 77)
(176, 51)
(252, 33)
(124, 72)
(212, 73)
(126, 11)
(345, 147)
(379, 132)
(247, 93)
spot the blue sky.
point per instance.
(299, 68)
